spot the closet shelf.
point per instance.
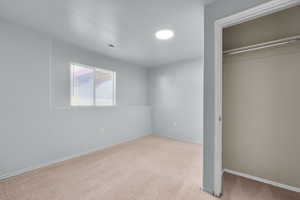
(263, 45)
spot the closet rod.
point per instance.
(263, 45)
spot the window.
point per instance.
(91, 86)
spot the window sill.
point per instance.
(100, 106)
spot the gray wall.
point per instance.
(212, 12)
(37, 125)
(176, 97)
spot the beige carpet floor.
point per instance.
(238, 188)
(151, 168)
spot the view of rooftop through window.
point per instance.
(91, 86)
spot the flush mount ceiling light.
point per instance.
(164, 34)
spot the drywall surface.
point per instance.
(37, 124)
(263, 29)
(261, 114)
(212, 12)
(176, 97)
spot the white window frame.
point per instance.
(94, 84)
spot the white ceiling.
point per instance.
(129, 24)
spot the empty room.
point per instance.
(101, 99)
(149, 100)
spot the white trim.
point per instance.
(218, 113)
(257, 11)
(115, 88)
(180, 139)
(27, 169)
(263, 180)
(252, 13)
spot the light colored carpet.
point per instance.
(151, 168)
(238, 188)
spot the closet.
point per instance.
(261, 98)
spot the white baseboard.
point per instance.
(180, 139)
(27, 169)
(255, 178)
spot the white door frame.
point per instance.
(249, 14)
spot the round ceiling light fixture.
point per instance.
(164, 34)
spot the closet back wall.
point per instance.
(272, 27)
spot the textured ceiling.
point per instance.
(128, 24)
